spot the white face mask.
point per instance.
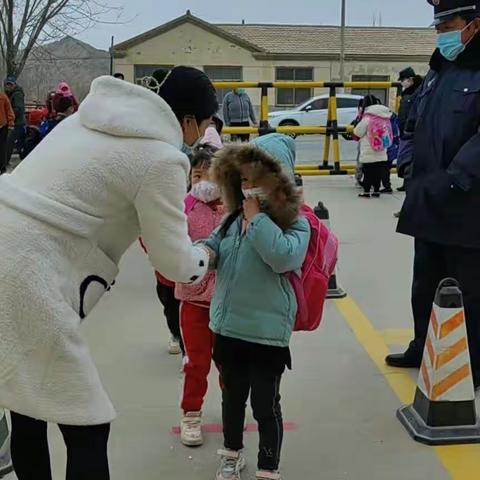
(257, 192)
(206, 191)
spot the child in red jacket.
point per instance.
(204, 210)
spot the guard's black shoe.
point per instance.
(386, 190)
(401, 189)
(403, 360)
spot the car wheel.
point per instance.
(290, 123)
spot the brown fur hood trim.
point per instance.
(283, 201)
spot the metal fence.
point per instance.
(331, 130)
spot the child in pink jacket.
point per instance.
(204, 210)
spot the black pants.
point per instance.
(3, 148)
(264, 389)
(372, 176)
(87, 457)
(386, 169)
(16, 138)
(243, 137)
(432, 264)
(171, 309)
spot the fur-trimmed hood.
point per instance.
(282, 202)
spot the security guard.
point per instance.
(440, 157)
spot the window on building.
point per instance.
(142, 71)
(288, 97)
(382, 93)
(224, 74)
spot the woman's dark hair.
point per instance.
(218, 124)
(202, 156)
(188, 91)
(369, 101)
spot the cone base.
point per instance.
(423, 433)
(338, 292)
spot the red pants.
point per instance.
(198, 340)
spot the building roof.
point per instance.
(269, 40)
(187, 18)
(324, 40)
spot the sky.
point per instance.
(141, 15)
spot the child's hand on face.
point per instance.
(251, 207)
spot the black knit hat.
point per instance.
(188, 91)
(408, 72)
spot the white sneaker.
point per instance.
(191, 429)
(174, 346)
(268, 475)
(231, 464)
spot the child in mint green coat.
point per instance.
(254, 307)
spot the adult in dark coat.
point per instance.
(441, 159)
(411, 82)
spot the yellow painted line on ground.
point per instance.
(461, 462)
(397, 336)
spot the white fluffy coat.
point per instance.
(67, 215)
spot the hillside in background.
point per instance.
(69, 60)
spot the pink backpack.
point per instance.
(380, 132)
(311, 287)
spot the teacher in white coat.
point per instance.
(103, 177)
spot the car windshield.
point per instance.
(310, 102)
(321, 103)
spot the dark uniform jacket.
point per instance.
(441, 155)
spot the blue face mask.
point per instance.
(188, 149)
(241, 91)
(450, 44)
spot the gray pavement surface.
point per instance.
(310, 150)
(343, 408)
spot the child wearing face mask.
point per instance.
(204, 210)
(254, 306)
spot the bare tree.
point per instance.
(25, 24)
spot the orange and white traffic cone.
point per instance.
(443, 412)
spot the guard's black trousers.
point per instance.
(433, 263)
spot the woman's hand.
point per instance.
(251, 207)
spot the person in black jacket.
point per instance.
(411, 82)
(440, 157)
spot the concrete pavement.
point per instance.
(340, 403)
(310, 150)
